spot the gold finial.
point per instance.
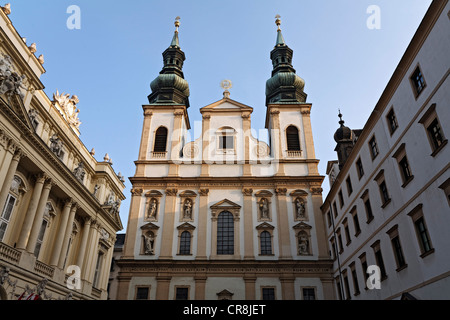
(226, 85)
(177, 23)
(278, 21)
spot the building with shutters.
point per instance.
(226, 216)
(59, 206)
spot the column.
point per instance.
(175, 145)
(68, 233)
(37, 223)
(248, 224)
(61, 231)
(162, 287)
(168, 224)
(307, 131)
(205, 145)
(91, 253)
(133, 219)
(9, 178)
(287, 287)
(84, 239)
(246, 127)
(202, 225)
(283, 224)
(322, 242)
(250, 289)
(31, 212)
(106, 267)
(276, 135)
(200, 286)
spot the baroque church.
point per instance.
(226, 216)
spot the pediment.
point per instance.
(149, 226)
(298, 192)
(302, 225)
(154, 194)
(264, 194)
(265, 226)
(186, 226)
(188, 193)
(225, 204)
(227, 104)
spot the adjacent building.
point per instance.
(59, 206)
(389, 199)
(226, 216)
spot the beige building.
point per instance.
(388, 205)
(59, 206)
(226, 216)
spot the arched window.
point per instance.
(266, 242)
(185, 243)
(160, 140)
(225, 233)
(292, 138)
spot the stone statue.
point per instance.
(149, 241)
(96, 188)
(115, 207)
(152, 208)
(300, 208)
(264, 208)
(303, 245)
(187, 209)
(10, 81)
(79, 172)
(56, 145)
(69, 107)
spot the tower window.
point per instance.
(292, 137)
(160, 140)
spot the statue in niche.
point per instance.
(264, 208)
(96, 188)
(300, 208)
(149, 241)
(187, 209)
(56, 145)
(79, 172)
(303, 244)
(152, 208)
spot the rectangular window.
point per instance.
(347, 287)
(433, 130)
(400, 259)
(379, 259)
(98, 268)
(40, 239)
(392, 121)
(422, 232)
(309, 294)
(349, 185)
(341, 247)
(355, 280)
(142, 293)
(364, 267)
(341, 199)
(435, 134)
(418, 81)
(367, 206)
(335, 209)
(359, 168)
(329, 218)
(333, 246)
(226, 142)
(182, 293)
(339, 289)
(373, 148)
(347, 232)
(6, 215)
(356, 221)
(405, 170)
(384, 192)
(268, 293)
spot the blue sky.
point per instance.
(110, 62)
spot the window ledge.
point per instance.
(436, 151)
(386, 203)
(423, 255)
(407, 181)
(358, 233)
(401, 268)
(369, 220)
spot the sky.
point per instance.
(345, 50)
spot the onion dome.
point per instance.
(343, 133)
(170, 87)
(285, 85)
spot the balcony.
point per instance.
(44, 269)
(159, 155)
(294, 153)
(9, 253)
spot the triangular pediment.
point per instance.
(302, 225)
(149, 226)
(265, 226)
(228, 105)
(186, 226)
(225, 204)
(15, 104)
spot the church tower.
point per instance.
(226, 216)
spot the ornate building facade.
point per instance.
(226, 216)
(389, 201)
(59, 206)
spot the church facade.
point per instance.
(226, 216)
